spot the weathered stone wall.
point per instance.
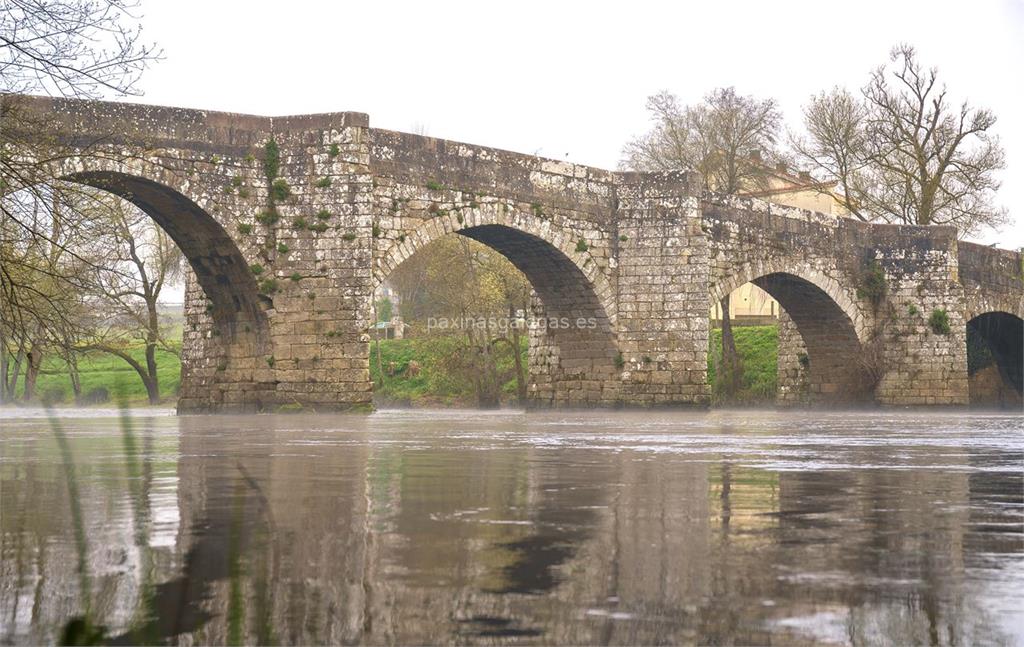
(793, 387)
(285, 262)
(663, 305)
(922, 366)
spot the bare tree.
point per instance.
(42, 286)
(837, 146)
(68, 48)
(903, 152)
(77, 48)
(722, 138)
(142, 261)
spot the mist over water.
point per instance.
(415, 527)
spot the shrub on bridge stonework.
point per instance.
(268, 217)
(245, 229)
(939, 321)
(333, 151)
(280, 190)
(323, 183)
(271, 160)
(872, 283)
(581, 246)
(433, 185)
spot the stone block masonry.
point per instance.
(290, 223)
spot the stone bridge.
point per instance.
(290, 223)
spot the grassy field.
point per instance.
(758, 350)
(435, 385)
(102, 370)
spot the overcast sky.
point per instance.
(569, 80)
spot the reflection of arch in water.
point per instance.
(568, 287)
(999, 335)
(828, 320)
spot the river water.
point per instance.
(510, 528)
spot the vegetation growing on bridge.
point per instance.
(872, 284)
(938, 321)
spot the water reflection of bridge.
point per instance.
(317, 537)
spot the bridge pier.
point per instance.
(923, 363)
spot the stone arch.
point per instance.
(219, 266)
(574, 365)
(1001, 382)
(832, 334)
(492, 215)
(220, 362)
(978, 304)
(843, 298)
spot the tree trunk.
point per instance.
(492, 383)
(12, 385)
(35, 361)
(521, 392)
(152, 389)
(153, 380)
(732, 370)
(380, 358)
(4, 361)
(76, 379)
